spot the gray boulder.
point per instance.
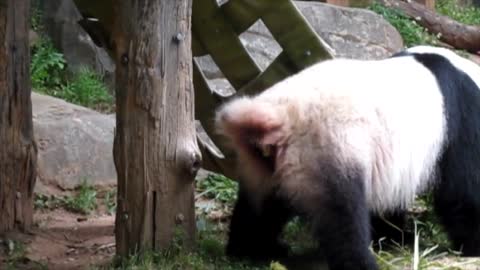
(74, 145)
(351, 32)
(61, 19)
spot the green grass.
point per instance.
(466, 15)
(414, 34)
(207, 254)
(411, 32)
(87, 88)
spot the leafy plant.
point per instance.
(47, 67)
(43, 201)
(218, 187)
(84, 201)
(411, 32)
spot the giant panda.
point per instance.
(345, 142)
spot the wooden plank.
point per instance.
(297, 38)
(206, 101)
(197, 46)
(219, 38)
(243, 13)
(278, 70)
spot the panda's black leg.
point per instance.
(390, 227)
(342, 221)
(457, 199)
(255, 234)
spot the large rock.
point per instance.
(61, 19)
(351, 32)
(74, 144)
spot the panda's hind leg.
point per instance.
(457, 199)
(254, 233)
(341, 219)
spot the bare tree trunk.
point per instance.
(458, 35)
(18, 152)
(155, 149)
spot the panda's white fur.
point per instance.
(347, 141)
(366, 112)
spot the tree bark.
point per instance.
(155, 148)
(458, 35)
(18, 152)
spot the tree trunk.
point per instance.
(18, 152)
(155, 149)
(458, 35)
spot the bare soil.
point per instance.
(60, 240)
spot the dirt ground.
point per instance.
(60, 240)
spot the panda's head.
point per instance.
(269, 134)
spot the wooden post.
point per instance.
(155, 149)
(18, 152)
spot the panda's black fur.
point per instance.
(332, 189)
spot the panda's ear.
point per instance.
(245, 119)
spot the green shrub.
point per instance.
(84, 201)
(87, 89)
(47, 67)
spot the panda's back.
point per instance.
(396, 101)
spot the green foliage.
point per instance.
(15, 253)
(411, 32)
(429, 225)
(218, 187)
(86, 88)
(111, 201)
(49, 76)
(47, 68)
(36, 17)
(42, 201)
(466, 15)
(84, 201)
